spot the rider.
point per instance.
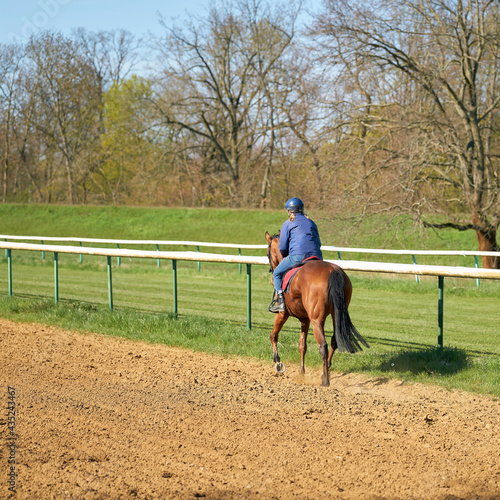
(299, 239)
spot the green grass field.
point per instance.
(396, 315)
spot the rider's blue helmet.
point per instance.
(294, 205)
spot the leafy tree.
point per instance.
(127, 150)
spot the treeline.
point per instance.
(369, 106)
(217, 115)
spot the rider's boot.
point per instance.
(277, 305)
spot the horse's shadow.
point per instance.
(431, 360)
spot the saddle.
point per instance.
(287, 278)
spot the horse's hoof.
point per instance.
(280, 368)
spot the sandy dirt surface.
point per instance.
(98, 417)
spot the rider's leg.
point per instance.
(285, 265)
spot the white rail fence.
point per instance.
(239, 247)
(348, 265)
(201, 244)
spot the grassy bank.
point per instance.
(229, 226)
(397, 316)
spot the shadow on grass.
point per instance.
(432, 360)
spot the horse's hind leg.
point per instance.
(319, 335)
(333, 348)
(304, 330)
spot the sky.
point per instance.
(19, 19)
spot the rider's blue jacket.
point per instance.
(300, 237)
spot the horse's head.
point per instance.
(273, 251)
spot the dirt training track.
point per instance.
(100, 418)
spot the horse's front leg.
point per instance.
(319, 335)
(279, 321)
(304, 330)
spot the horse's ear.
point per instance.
(268, 237)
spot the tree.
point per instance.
(19, 141)
(10, 61)
(214, 84)
(291, 88)
(113, 54)
(128, 159)
(424, 105)
(67, 103)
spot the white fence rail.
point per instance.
(201, 244)
(348, 265)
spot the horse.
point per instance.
(318, 290)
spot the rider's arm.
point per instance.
(284, 239)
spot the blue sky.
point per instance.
(19, 19)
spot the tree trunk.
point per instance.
(5, 178)
(264, 200)
(487, 242)
(70, 179)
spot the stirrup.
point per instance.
(276, 306)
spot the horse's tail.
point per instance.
(346, 335)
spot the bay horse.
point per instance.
(318, 290)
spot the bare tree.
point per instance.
(213, 84)
(425, 105)
(67, 98)
(113, 55)
(291, 90)
(10, 61)
(22, 174)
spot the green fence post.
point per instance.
(440, 310)
(174, 272)
(249, 296)
(340, 256)
(6, 250)
(158, 260)
(81, 256)
(110, 285)
(43, 252)
(9, 266)
(239, 253)
(119, 258)
(477, 265)
(199, 263)
(417, 277)
(56, 277)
